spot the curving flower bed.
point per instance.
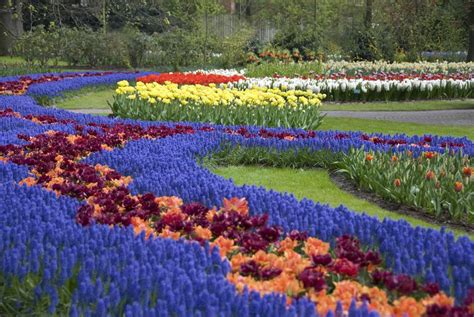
(51, 84)
(362, 67)
(119, 178)
(206, 102)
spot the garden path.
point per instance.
(91, 111)
(445, 117)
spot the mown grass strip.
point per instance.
(391, 127)
(314, 184)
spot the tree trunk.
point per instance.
(11, 24)
(368, 14)
(470, 50)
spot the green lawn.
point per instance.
(19, 60)
(391, 127)
(91, 99)
(11, 60)
(313, 184)
(401, 106)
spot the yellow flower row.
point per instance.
(213, 95)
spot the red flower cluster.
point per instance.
(189, 79)
(20, 86)
(265, 134)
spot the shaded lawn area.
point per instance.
(314, 184)
(423, 105)
(20, 60)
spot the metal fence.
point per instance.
(228, 24)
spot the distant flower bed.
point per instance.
(385, 87)
(364, 67)
(374, 84)
(352, 68)
(21, 85)
(189, 78)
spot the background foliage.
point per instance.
(184, 33)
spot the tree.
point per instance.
(470, 10)
(11, 24)
(368, 14)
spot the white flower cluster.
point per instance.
(383, 66)
(224, 72)
(444, 88)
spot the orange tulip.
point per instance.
(239, 205)
(408, 306)
(314, 246)
(397, 182)
(203, 233)
(29, 181)
(430, 175)
(225, 245)
(458, 186)
(467, 171)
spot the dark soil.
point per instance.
(347, 185)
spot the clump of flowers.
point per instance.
(437, 184)
(198, 78)
(20, 86)
(211, 95)
(219, 104)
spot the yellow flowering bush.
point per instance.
(218, 104)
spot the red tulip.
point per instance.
(345, 267)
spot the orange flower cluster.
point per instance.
(280, 266)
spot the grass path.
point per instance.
(93, 99)
(391, 127)
(314, 184)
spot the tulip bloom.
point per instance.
(458, 186)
